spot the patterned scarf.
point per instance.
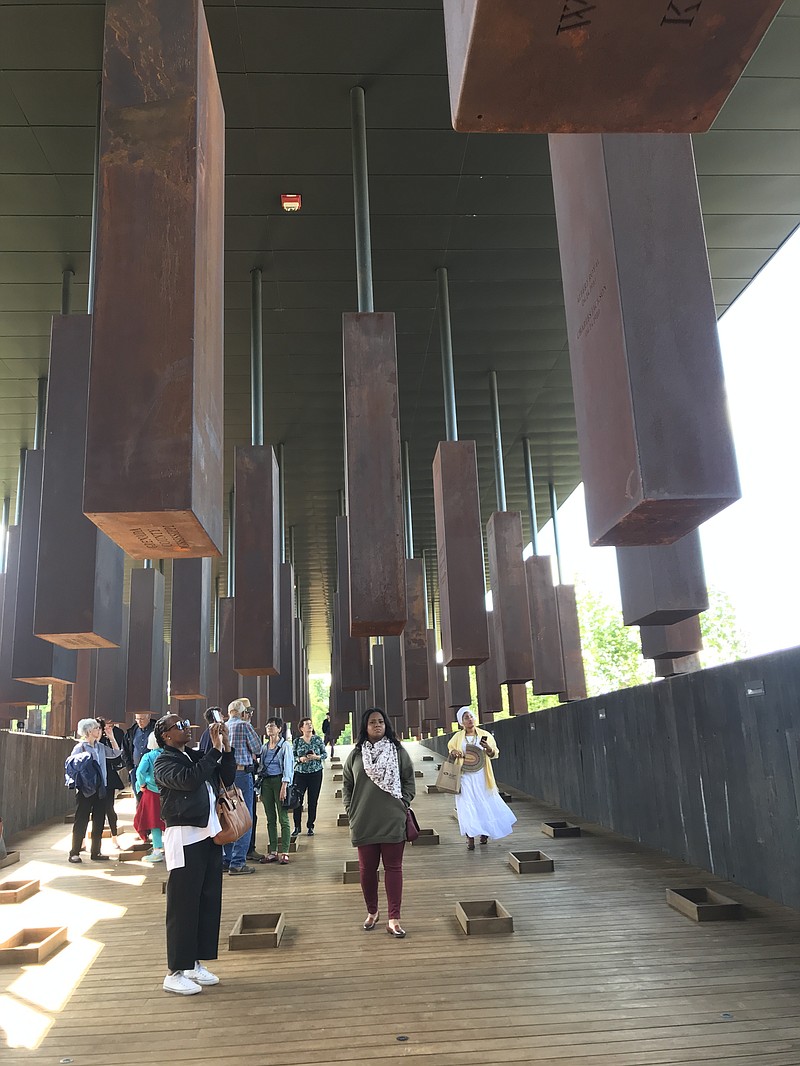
(381, 765)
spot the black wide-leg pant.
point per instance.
(194, 904)
(88, 806)
(310, 784)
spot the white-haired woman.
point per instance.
(481, 811)
(87, 773)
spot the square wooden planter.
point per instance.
(292, 846)
(140, 845)
(530, 862)
(704, 904)
(426, 836)
(427, 758)
(561, 829)
(10, 859)
(432, 790)
(484, 916)
(337, 794)
(506, 797)
(32, 945)
(130, 855)
(252, 932)
(342, 820)
(338, 777)
(350, 875)
(17, 891)
(69, 818)
(418, 773)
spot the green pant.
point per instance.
(271, 798)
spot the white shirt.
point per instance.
(178, 837)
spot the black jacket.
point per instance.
(184, 796)
(127, 744)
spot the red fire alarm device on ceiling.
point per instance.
(291, 201)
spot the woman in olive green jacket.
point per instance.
(377, 788)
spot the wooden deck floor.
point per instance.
(598, 970)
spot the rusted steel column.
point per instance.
(511, 612)
(672, 642)
(574, 675)
(548, 664)
(191, 615)
(354, 651)
(570, 66)
(662, 585)
(82, 704)
(517, 699)
(415, 639)
(490, 698)
(459, 542)
(13, 693)
(154, 463)
(228, 678)
(78, 600)
(144, 685)
(393, 680)
(673, 667)
(261, 709)
(257, 569)
(458, 689)
(283, 687)
(34, 659)
(374, 482)
(378, 677)
(432, 713)
(656, 449)
(108, 679)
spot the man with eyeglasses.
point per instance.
(188, 781)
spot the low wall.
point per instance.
(32, 780)
(692, 766)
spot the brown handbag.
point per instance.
(233, 813)
(449, 779)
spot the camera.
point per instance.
(216, 713)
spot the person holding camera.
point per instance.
(86, 770)
(481, 811)
(275, 779)
(189, 783)
(309, 755)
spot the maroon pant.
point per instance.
(369, 856)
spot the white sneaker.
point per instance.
(154, 856)
(180, 983)
(201, 976)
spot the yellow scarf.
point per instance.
(455, 744)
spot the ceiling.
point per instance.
(480, 205)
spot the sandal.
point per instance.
(283, 859)
(271, 857)
(470, 843)
(395, 930)
(484, 840)
(371, 922)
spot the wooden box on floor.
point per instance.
(484, 916)
(703, 904)
(418, 773)
(351, 875)
(338, 777)
(31, 945)
(432, 790)
(252, 932)
(17, 891)
(292, 847)
(9, 859)
(337, 794)
(561, 829)
(426, 836)
(131, 854)
(342, 820)
(427, 758)
(530, 862)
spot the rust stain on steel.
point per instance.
(662, 585)
(655, 442)
(548, 663)
(510, 608)
(459, 543)
(570, 66)
(374, 483)
(155, 418)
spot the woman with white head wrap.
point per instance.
(481, 811)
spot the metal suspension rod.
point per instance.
(256, 360)
(342, 506)
(290, 549)
(23, 456)
(499, 469)
(407, 501)
(231, 542)
(282, 500)
(446, 345)
(66, 290)
(526, 454)
(41, 411)
(95, 197)
(554, 516)
(4, 535)
(358, 127)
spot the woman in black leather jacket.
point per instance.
(188, 782)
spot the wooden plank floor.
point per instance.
(598, 970)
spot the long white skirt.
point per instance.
(481, 812)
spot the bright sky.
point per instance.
(750, 549)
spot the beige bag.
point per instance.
(233, 813)
(449, 779)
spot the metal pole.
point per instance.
(147, 564)
(358, 130)
(231, 541)
(256, 359)
(41, 411)
(499, 470)
(342, 506)
(66, 290)
(281, 500)
(554, 515)
(526, 454)
(446, 345)
(407, 494)
(23, 455)
(291, 544)
(95, 197)
(4, 537)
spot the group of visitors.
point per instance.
(177, 786)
